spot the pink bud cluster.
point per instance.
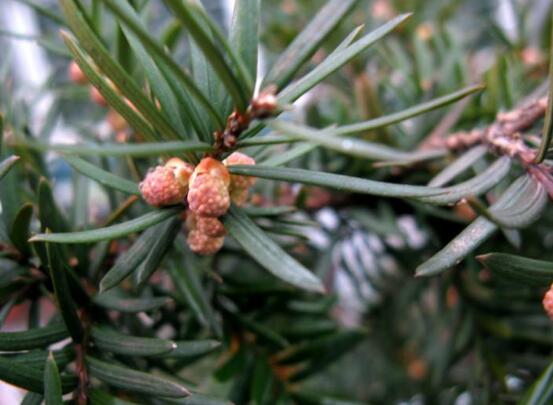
(208, 189)
(548, 302)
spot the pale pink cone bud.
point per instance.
(207, 225)
(76, 75)
(240, 182)
(203, 244)
(160, 187)
(208, 196)
(97, 97)
(183, 170)
(210, 226)
(239, 196)
(548, 302)
(213, 168)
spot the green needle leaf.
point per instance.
(115, 100)
(101, 176)
(407, 113)
(110, 232)
(122, 150)
(336, 60)
(109, 340)
(113, 300)
(33, 338)
(58, 269)
(536, 273)
(7, 164)
(135, 256)
(20, 232)
(121, 9)
(307, 42)
(135, 381)
(123, 81)
(267, 253)
(52, 383)
(244, 35)
(470, 238)
(30, 378)
(190, 16)
(336, 181)
(547, 135)
(457, 167)
(349, 146)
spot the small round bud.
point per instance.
(160, 187)
(213, 168)
(265, 104)
(210, 226)
(183, 170)
(116, 121)
(240, 182)
(203, 244)
(97, 97)
(548, 302)
(208, 196)
(75, 73)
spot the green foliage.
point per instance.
(401, 166)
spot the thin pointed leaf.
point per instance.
(30, 378)
(188, 283)
(244, 34)
(479, 184)
(115, 100)
(537, 273)
(101, 176)
(167, 233)
(99, 397)
(192, 349)
(407, 113)
(32, 398)
(525, 209)
(189, 14)
(547, 134)
(50, 215)
(52, 383)
(307, 42)
(457, 167)
(62, 292)
(159, 86)
(469, 239)
(109, 340)
(336, 60)
(33, 338)
(267, 253)
(7, 164)
(114, 301)
(336, 181)
(121, 150)
(20, 232)
(135, 381)
(541, 392)
(349, 146)
(111, 232)
(132, 258)
(120, 8)
(122, 80)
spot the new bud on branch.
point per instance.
(208, 189)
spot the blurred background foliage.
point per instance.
(380, 335)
